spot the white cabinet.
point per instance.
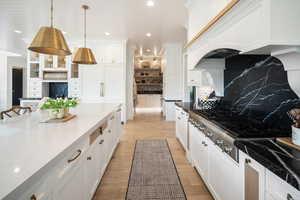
(74, 90)
(173, 72)
(194, 78)
(113, 82)
(34, 88)
(254, 178)
(199, 151)
(277, 189)
(110, 52)
(76, 172)
(225, 176)
(92, 167)
(182, 127)
(70, 187)
(92, 83)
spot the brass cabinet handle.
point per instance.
(78, 154)
(102, 89)
(289, 197)
(89, 158)
(247, 161)
(33, 197)
(101, 142)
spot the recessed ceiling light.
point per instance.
(148, 34)
(150, 3)
(18, 31)
(107, 33)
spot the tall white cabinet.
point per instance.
(173, 79)
(105, 81)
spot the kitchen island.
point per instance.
(57, 160)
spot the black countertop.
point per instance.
(278, 158)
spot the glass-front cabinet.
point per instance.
(62, 62)
(74, 70)
(34, 64)
(48, 61)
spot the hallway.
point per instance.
(148, 126)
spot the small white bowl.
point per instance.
(296, 135)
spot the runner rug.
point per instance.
(153, 173)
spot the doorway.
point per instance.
(17, 86)
(148, 78)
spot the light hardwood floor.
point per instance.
(148, 126)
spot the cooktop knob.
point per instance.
(209, 134)
(228, 149)
(219, 142)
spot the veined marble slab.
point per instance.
(26, 145)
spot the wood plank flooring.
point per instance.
(148, 126)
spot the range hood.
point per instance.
(265, 27)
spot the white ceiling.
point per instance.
(124, 19)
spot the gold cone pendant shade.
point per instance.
(50, 40)
(84, 55)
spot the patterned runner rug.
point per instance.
(153, 173)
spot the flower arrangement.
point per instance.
(295, 116)
(59, 108)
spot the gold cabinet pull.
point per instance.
(78, 154)
(101, 142)
(33, 197)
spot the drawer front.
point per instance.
(35, 94)
(70, 159)
(279, 189)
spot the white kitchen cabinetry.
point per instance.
(225, 175)
(76, 173)
(254, 177)
(218, 170)
(70, 187)
(182, 127)
(92, 83)
(93, 166)
(114, 82)
(194, 78)
(277, 189)
(199, 151)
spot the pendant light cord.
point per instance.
(84, 27)
(51, 13)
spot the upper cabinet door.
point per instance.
(113, 82)
(92, 81)
(110, 53)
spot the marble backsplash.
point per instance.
(257, 87)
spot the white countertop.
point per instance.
(26, 145)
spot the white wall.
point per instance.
(3, 82)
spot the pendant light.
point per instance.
(50, 40)
(84, 55)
